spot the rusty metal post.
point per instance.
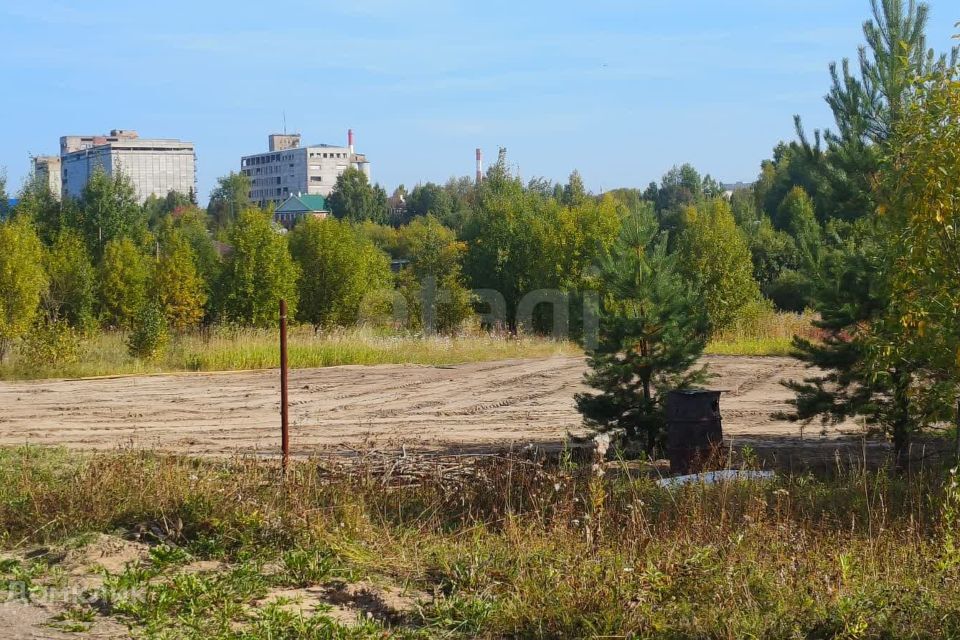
(956, 450)
(284, 413)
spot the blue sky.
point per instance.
(621, 90)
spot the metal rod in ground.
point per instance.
(284, 413)
(956, 448)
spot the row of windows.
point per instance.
(281, 157)
(259, 182)
(258, 194)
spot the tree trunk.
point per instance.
(902, 428)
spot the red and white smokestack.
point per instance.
(350, 139)
(479, 166)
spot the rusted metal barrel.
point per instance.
(694, 430)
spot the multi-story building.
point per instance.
(154, 166)
(289, 169)
(47, 168)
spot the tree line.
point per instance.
(105, 261)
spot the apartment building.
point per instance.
(155, 166)
(289, 169)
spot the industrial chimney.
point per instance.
(479, 166)
(350, 140)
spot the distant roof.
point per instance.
(303, 203)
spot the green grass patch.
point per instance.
(750, 347)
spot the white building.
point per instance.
(47, 168)
(289, 169)
(154, 166)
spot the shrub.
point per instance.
(791, 291)
(150, 336)
(51, 343)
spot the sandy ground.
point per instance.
(79, 571)
(467, 407)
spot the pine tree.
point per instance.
(868, 105)
(653, 327)
(871, 369)
(867, 372)
(867, 100)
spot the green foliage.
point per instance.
(22, 280)
(340, 267)
(715, 255)
(177, 285)
(385, 237)
(519, 242)
(919, 215)
(72, 294)
(463, 196)
(36, 203)
(854, 297)
(157, 209)
(50, 344)
(433, 276)
(258, 273)
(652, 330)
(305, 567)
(796, 216)
(798, 165)
(743, 204)
(886, 293)
(574, 192)
(149, 336)
(192, 223)
(504, 243)
(124, 276)
(631, 200)
(866, 103)
(354, 199)
(429, 198)
(772, 253)
(791, 291)
(108, 210)
(229, 199)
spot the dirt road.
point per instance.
(468, 406)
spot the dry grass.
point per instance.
(510, 548)
(231, 349)
(767, 334)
